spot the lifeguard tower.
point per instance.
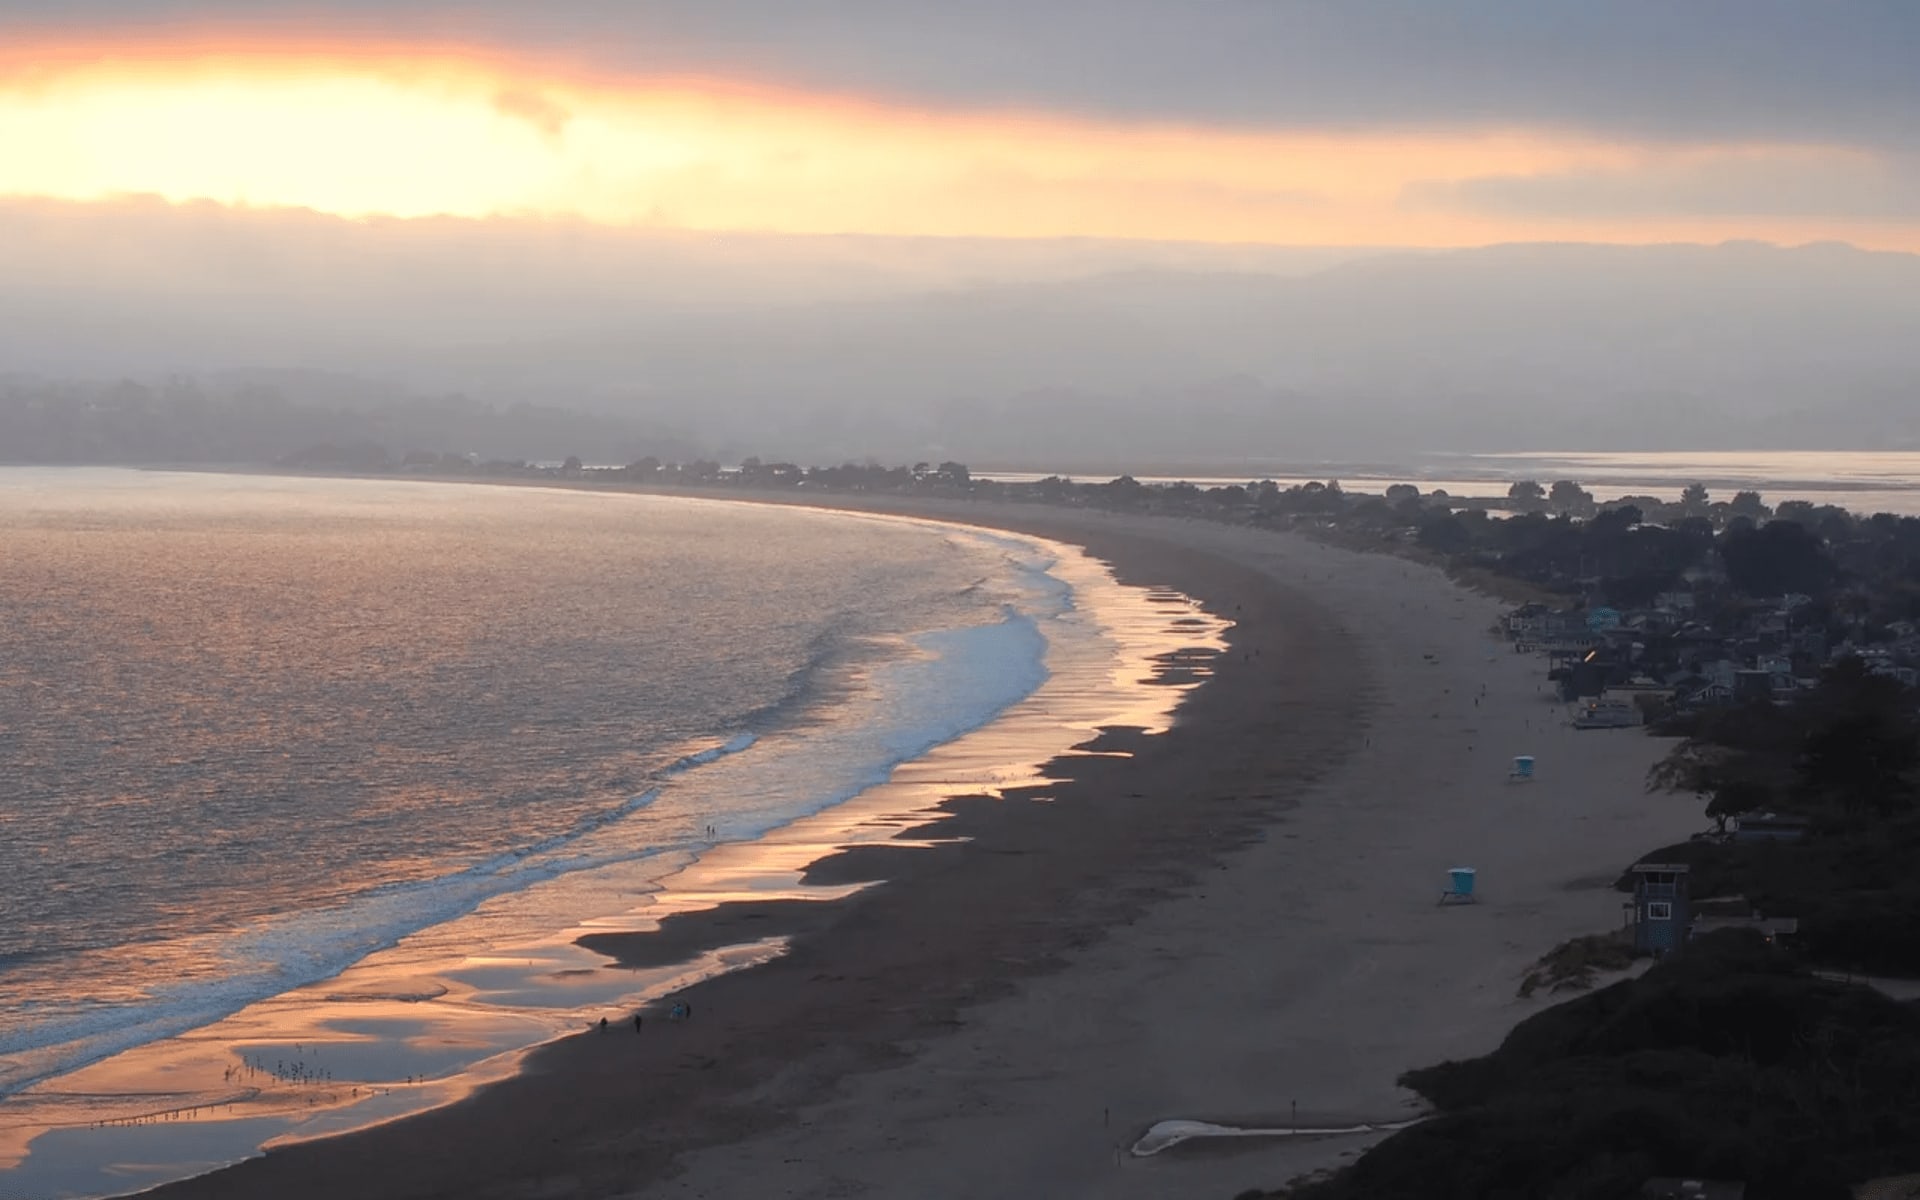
(1522, 771)
(1459, 886)
(1660, 907)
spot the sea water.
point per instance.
(259, 735)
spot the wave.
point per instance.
(305, 948)
(953, 680)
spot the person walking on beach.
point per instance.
(603, 1024)
(636, 1022)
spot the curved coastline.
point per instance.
(699, 936)
(1006, 891)
(1234, 924)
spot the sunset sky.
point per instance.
(1377, 122)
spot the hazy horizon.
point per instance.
(1016, 352)
(999, 234)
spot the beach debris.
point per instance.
(1164, 1135)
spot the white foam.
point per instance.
(956, 680)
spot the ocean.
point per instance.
(273, 748)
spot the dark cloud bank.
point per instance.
(1831, 70)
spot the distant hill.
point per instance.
(307, 420)
(1040, 353)
(1506, 348)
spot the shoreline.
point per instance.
(1097, 907)
(697, 931)
(751, 1022)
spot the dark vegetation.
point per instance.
(1843, 755)
(1572, 964)
(1724, 1062)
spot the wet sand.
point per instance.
(1236, 919)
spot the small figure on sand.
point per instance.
(636, 1022)
(603, 1024)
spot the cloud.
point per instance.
(536, 110)
(1832, 71)
(1840, 185)
(1305, 121)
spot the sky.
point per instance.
(1288, 122)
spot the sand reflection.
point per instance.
(424, 1024)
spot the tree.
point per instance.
(956, 474)
(1124, 490)
(1525, 494)
(1619, 519)
(1748, 504)
(1862, 760)
(1396, 492)
(572, 465)
(1796, 510)
(1444, 532)
(1736, 797)
(1568, 496)
(1776, 559)
(1694, 499)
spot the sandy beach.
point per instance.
(1236, 923)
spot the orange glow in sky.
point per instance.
(364, 131)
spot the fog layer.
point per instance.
(1053, 353)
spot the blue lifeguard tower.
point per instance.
(1660, 907)
(1459, 886)
(1522, 768)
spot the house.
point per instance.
(1703, 695)
(1674, 602)
(1765, 683)
(1770, 827)
(1771, 928)
(1601, 619)
(1721, 672)
(1660, 908)
(1586, 676)
(1879, 662)
(1736, 912)
(1534, 625)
